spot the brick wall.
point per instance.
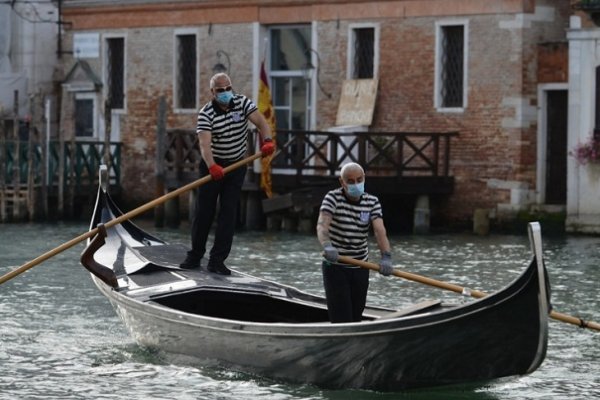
(150, 75)
(494, 158)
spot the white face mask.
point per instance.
(224, 97)
(356, 189)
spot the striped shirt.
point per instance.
(229, 128)
(350, 222)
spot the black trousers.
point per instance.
(227, 192)
(346, 292)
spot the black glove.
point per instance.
(330, 253)
(385, 266)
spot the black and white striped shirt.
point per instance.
(350, 222)
(229, 128)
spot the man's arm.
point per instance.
(323, 228)
(261, 123)
(385, 265)
(204, 141)
(330, 253)
(381, 235)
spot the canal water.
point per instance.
(60, 339)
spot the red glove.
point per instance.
(268, 147)
(216, 172)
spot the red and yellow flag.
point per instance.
(265, 106)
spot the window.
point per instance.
(115, 72)
(186, 62)
(85, 116)
(597, 110)
(290, 89)
(363, 53)
(450, 88)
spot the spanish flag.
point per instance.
(265, 106)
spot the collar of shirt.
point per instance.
(219, 110)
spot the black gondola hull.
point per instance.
(503, 334)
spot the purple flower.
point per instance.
(587, 152)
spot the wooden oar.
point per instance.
(122, 218)
(462, 290)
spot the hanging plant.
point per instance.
(588, 151)
(592, 7)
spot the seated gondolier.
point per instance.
(345, 216)
(222, 136)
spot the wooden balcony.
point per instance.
(394, 162)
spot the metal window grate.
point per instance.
(186, 71)
(364, 53)
(452, 66)
(115, 72)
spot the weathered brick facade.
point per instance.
(512, 46)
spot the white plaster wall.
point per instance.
(583, 181)
(34, 43)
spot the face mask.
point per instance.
(356, 190)
(225, 97)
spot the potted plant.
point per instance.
(592, 7)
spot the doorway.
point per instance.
(552, 147)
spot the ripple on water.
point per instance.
(60, 338)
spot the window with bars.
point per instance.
(115, 72)
(185, 79)
(451, 66)
(363, 53)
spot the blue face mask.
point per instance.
(225, 97)
(356, 190)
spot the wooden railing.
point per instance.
(380, 153)
(79, 165)
(309, 156)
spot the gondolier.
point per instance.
(222, 135)
(343, 228)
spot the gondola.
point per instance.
(264, 328)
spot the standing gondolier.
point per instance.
(345, 216)
(222, 135)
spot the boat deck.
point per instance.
(236, 296)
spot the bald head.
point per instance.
(220, 80)
(351, 169)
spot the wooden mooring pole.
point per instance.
(32, 141)
(161, 133)
(16, 208)
(2, 171)
(45, 144)
(107, 134)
